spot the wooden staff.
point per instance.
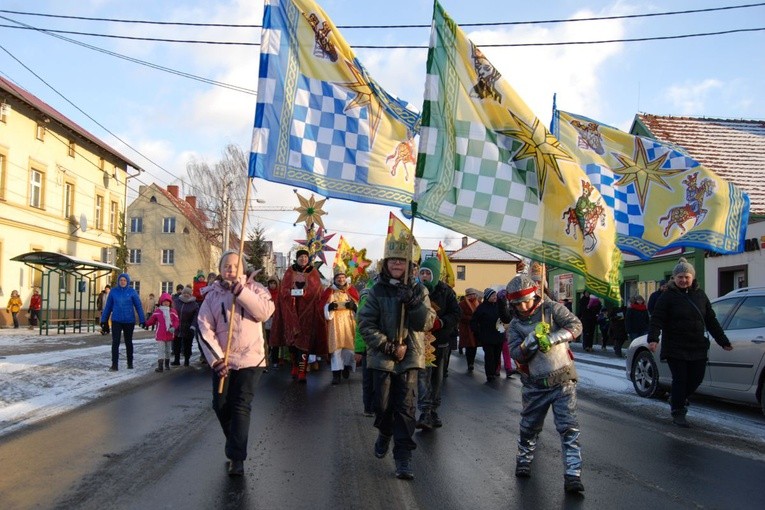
(222, 381)
(410, 246)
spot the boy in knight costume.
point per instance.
(539, 335)
(395, 355)
(340, 302)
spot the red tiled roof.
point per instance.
(195, 216)
(732, 148)
(46, 109)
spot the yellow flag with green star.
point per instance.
(488, 167)
(661, 197)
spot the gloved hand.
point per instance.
(332, 306)
(407, 295)
(560, 336)
(437, 324)
(396, 351)
(531, 343)
(143, 325)
(171, 330)
(351, 305)
(234, 287)
(104, 325)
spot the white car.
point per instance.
(737, 375)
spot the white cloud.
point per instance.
(691, 98)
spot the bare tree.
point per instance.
(220, 189)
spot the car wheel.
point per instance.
(645, 375)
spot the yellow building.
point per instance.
(480, 265)
(168, 241)
(62, 190)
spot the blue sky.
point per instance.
(170, 119)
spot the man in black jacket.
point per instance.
(444, 302)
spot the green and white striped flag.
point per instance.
(488, 168)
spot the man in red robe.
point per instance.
(297, 321)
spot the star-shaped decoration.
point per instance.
(356, 263)
(310, 211)
(365, 96)
(316, 240)
(642, 172)
(540, 144)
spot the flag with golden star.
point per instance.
(661, 197)
(487, 167)
(321, 122)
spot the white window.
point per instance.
(68, 199)
(107, 255)
(136, 224)
(99, 212)
(168, 225)
(113, 217)
(168, 257)
(134, 256)
(136, 285)
(36, 189)
(167, 287)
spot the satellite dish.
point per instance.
(83, 222)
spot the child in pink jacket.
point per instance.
(167, 322)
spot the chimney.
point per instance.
(173, 190)
(192, 200)
(464, 241)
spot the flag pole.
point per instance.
(239, 264)
(410, 246)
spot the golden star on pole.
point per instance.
(310, 211)
(540, 144)
(641, 171)
(365, 96)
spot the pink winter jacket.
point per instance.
(164, 334)
(253, 307)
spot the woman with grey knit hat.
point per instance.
(682, 316)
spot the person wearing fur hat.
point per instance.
(165, 318)
(431, 380)
(467, 339)
(682, 316)
(238, 304)
(393, 322)
(539, 335)
(339, 303)
(187, 308)
(298, 322)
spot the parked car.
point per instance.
(737, 375)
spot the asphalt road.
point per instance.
(156, 444)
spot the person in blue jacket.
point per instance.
(122, 304)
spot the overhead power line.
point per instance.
(398, 46)
(486, 24)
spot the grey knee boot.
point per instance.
(572, 461)
(527, 443)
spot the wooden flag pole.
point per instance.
(222, 380)
(410, 246)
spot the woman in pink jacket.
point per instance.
(166, 320)
(246, 355)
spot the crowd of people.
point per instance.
(400, 329)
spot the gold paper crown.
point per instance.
(397, 248)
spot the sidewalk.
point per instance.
(602, 358)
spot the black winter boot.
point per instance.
(335, 377)
(176, 360)
(167, 363)
(159, 367)
(678, 417)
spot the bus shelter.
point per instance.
(81, 295)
